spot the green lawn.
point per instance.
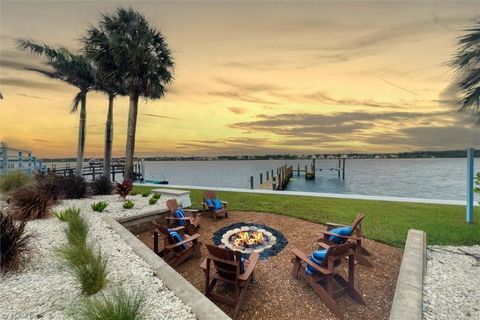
(387, 222)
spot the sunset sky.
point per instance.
(253, 78)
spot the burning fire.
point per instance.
(245, 238)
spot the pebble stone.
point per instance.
(452, 283)
(45, 289)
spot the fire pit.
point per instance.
(249, 238)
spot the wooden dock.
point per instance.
(94, 170)
(273, 180)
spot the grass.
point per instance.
(116, 306)
(13, 180)
(88, 267)
(386, 222)
(65, 215)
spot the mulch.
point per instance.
(276, 295)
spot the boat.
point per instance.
(156, 181)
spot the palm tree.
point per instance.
(73, 69)
(142, 62)
(467, 63)
(97, 47)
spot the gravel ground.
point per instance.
(452, 283)
(276, 295)
(44, 289)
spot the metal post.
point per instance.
(251, 182)
(261, 178)
(20, 159)
(142, 169)
(343, 170)
(4, 158)
(470, 167)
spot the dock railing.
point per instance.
(273, 179)
(14, 159)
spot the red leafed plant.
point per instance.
(124, 188)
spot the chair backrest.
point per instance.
(172, 205)
(226, 270)
(358, 220)
(209, 195)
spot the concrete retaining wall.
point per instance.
(408, 300)
(202, 307)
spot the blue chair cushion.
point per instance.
(317, 258)
(176, 237)
(180, 214)
(217, 204)
(210, 203)
(342, 231)
(242, 265)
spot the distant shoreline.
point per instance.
(452, 154)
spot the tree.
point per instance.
(73, 69)
(97, 48)
(467, 63)
(141, 61)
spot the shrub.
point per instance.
(14, 243)
(28, 203)
(156, 196)
(74, 187)
(77, 229)
(50, 184)
(152, 200)
(145, 194)
(134, 193)
(128, 204)
(102, 186)
(124, 188)
(65, 215)
(99, 206)
(13, 180)
(116, 306)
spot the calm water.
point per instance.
(419, 178)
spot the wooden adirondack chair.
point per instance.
(226, 263)
(355, 238)
(327, 283)
(192, 223)
(172, 252)
(214, 213)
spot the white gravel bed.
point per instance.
(45, 290)
(452, 283)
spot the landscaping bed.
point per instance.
(45, 289)
(451, 285)
(276, 295)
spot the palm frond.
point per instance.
(76, 101)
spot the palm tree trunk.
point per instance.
(81, 134)
(107, 156)
(131, 129)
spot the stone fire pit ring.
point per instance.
(274, 241)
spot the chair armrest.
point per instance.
(300, 255)
(191, 210)
(187, 240)
(172, 218)
(252, 262)
(337, 235)
(331, 224)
